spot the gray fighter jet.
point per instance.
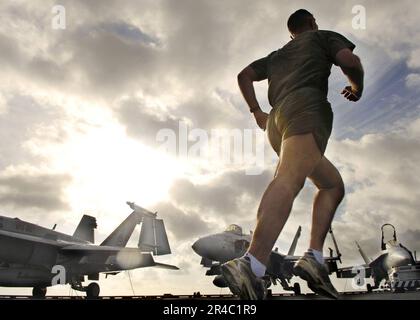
(219, 248)
(395, 265)
(34, 256)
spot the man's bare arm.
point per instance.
(352, 67)
(246, 79)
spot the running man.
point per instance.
(298, 127)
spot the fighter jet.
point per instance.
(34, 256)
(394, 257)
(219, 248)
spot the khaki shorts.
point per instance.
(303, 111)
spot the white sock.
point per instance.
(257, 267)
(318, 255)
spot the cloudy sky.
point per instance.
(82, 110)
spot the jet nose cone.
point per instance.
(198, 247)
(201, 247)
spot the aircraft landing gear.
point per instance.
(92, 290)
(296, 289)
(399, 290)
(39, 292)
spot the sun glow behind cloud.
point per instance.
(107, 167)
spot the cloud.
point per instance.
(413, 80)
(183, 225)
(144, 122)
(24, 118)
(414, 60)
(410, 238)
(41, 191)
(162, 49)
(233, 195)
(131, 33)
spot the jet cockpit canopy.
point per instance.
(234, 228)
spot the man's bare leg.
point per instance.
(330, 193)
(299, 157)
(310, 266)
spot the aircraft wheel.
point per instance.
(399, 290)
(39, 292)
(296, 289)
(92, 290)
(369, 287)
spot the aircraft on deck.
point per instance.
(219, 248)
(34, 256)
(395, 264)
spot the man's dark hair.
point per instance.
(298, 20)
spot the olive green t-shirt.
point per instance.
(305, 61)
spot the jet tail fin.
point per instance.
(153, 236)
(363, 254)
(120, 236)
(86, 229)
(294, 242)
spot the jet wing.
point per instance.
(82, 248)
(7, 235)
(157, 265)
(276, 262)
(166, 266)
(108, 255)
(116, 258)
(291, 259)
(280, 258)
(27, 249)
(351, 272)
(277, 257)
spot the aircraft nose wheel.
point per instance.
(39, 292)
(92, 290)
(296, 289)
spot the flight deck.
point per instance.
(380, 295)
